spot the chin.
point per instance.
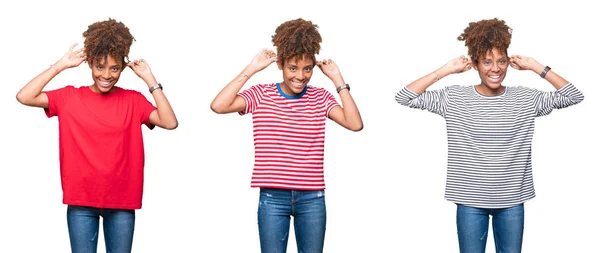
(105, 90)
(298, 91)
(494, 85)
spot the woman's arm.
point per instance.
(163, 116)
(565, 95)
(457, 65)
(31, 94)
(527, 63)
(228, 100)
(346, 115)
(415, 96)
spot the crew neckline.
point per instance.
(290, 96)
(489, 96)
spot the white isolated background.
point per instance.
(385, 184)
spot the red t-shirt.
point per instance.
(101, 147)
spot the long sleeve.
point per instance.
(435, 101)
(545, 102)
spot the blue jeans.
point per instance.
(275, 208)
(472, 224)
(83, 223)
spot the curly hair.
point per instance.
(480, 37)
(105, 38)
(296, 38)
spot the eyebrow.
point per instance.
(116, 65)
(293, 65)
(490, 59)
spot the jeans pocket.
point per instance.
(321, 194)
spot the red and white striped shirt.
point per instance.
(289, 136)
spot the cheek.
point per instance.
(480, 71)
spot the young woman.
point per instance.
(101, 147)
(289, 127)
(490, 128)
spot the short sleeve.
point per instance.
(56, 100)
(252, 96)
(330, 101)
(145, 108)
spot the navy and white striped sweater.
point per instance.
(489, 139)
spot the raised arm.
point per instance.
(228, 100)
(457, 65)
(414, 95)
(565, 95)
(527, 63)
(163, 116)
(31, 94)
(346, 115)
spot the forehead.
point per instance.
(295, 61)
(493, 54)
(106, 60)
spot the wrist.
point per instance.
(245, 75)
(155, 87)
(344, 86)
(53, 69)
(538, 69)
(338, 82)
(544, 72)
(57, 67)
(150, 81)
(248, 71)
(442, 72)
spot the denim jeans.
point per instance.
(83, 223)
(472, 224)
(275, 208)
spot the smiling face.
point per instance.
(492, 70)
(296, 74)
(106, 73)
